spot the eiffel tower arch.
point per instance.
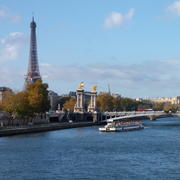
(33, 73)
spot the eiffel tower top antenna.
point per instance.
(32, 16)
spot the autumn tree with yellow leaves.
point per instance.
(10, 102)
(27, 104)
(38, 96)
(105, 102)
(69, 104)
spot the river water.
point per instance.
(87, 154)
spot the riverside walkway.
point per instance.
(15, 130)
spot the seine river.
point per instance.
(85, 153)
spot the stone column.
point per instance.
(93, 105)
(152, 117)
(79, 107)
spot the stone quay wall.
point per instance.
(39, 119)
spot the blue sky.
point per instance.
(132, 45)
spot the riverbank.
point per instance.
(15, 130)
(44, 127)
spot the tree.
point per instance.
(117, 104)
(34, 100)
(128, 104)
(26, 104)
(1, 107)
(158, 107)
(24, 109)
(10, 103)
(69, 104)
(143, 105)
(38, 96)
(63, 100)
(168, 107)
(105, 102)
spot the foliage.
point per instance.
(26, 104)
(158, 107)
(128, 104)
(10, 102)
(170, 107)
(117, 104)
(105, 102)
(24, 109)
(38, 96)
(63, 100)
(143, 105)
(1, 107)
(69, 104)
(125, 104)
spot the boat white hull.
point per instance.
(130, 128)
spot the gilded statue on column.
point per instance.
(94, 88)
(80, 86)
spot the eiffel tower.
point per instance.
(33, 73)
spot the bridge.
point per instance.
(103, 116)
(152, 115)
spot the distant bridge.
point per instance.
(152, 115)
(104, 116)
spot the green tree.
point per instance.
(158, 107)
(128, 104)
(69, 104)
(117, 104)
(143, 105)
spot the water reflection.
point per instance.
(28, 135)
(172, 121)
(80, 131)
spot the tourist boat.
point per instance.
(113, 126)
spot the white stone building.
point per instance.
(174, 100)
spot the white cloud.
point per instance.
(146, 77)
(4, 14)
(174, 8)
(116, 19)
(12, 45)
(155, 75)
(12, 77)
(45, 64)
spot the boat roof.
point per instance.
(110, 120)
